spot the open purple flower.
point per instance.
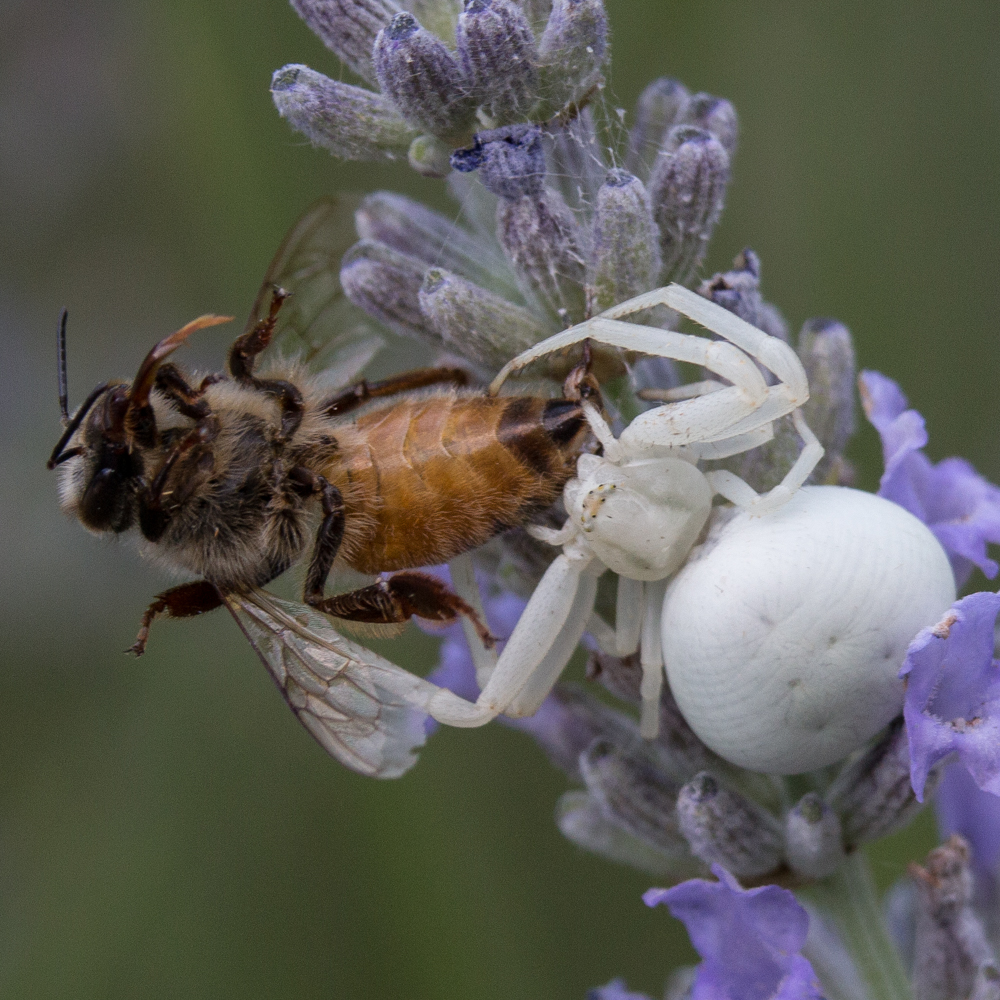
(953, 693)
(951, 498)
(748, 939)
(963, 808)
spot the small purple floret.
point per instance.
(748, 939)
(953, 693)
(963, 808)
(615, 990)
(951, 498)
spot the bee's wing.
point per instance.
(362, 709)
(317, 325)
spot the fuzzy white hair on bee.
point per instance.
(782, 635)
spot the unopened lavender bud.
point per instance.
(348, 28)
(950, 945)
(421, 76)
(633, 793)
(683, 754)
(351, 122)
(582, 820)
(429, 156)
(873, 794)
(812, 838)
(548, 249)
(481, 326)
(715, 115)
(570, 721)
(688, 189)
(827, 354)
(418, 231)
(386, 285)
(737, 290)
(571, 50)
(497, 50)
(661, 106)
(987, 984)
(510, 160)
(625, 259)
(724, 827)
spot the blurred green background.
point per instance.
(166, 826)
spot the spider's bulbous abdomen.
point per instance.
(784, 634)
(641, 519)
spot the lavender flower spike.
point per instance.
(951, 498)
(953, 693)
(749, 939)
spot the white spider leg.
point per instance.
(734, 489)
(680, 392)
(774, 354)
(706, 450)
(602, 633)
(545, 675)
(716, 355)
(628, 615)
(538, 628)
(651, 659)
(463, 580)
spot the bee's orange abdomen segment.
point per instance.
(439, 475)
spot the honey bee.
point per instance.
(233, 477)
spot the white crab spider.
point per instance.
(640, 507)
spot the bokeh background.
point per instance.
(166, 826)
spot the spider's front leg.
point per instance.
(543, 640)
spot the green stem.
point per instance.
(849, 898)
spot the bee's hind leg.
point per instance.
(185, 601)
(399, 598)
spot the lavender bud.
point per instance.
(429, 156)
(481, 326)
(715, 115)
(633, 793)
(510, 160)
(737, 290)
(571, 50)
(987, 984)
(683, 753)
(626, 254)
(688, 189)
(950, 946)
(349, 121)
(537, 12)
(827, 353)
(581, 819)
(812, 838)
(547, 248)
(573, 720)
(421, 76)
(873, 794)
(770, 320)
(724, 827)
(661, 106)
(497, 50)
(348, 28)
(386, 285)
(414, 229)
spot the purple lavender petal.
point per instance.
(953, 693)
(749, 939)
(963, 808)
(951, 498)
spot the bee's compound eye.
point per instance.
(106, 504)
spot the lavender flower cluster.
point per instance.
(504, 98)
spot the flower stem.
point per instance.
(849, 898)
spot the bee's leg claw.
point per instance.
(185, 601)
(398, 599)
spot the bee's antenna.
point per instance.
(61, 368)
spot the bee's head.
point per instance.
(101, 451)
